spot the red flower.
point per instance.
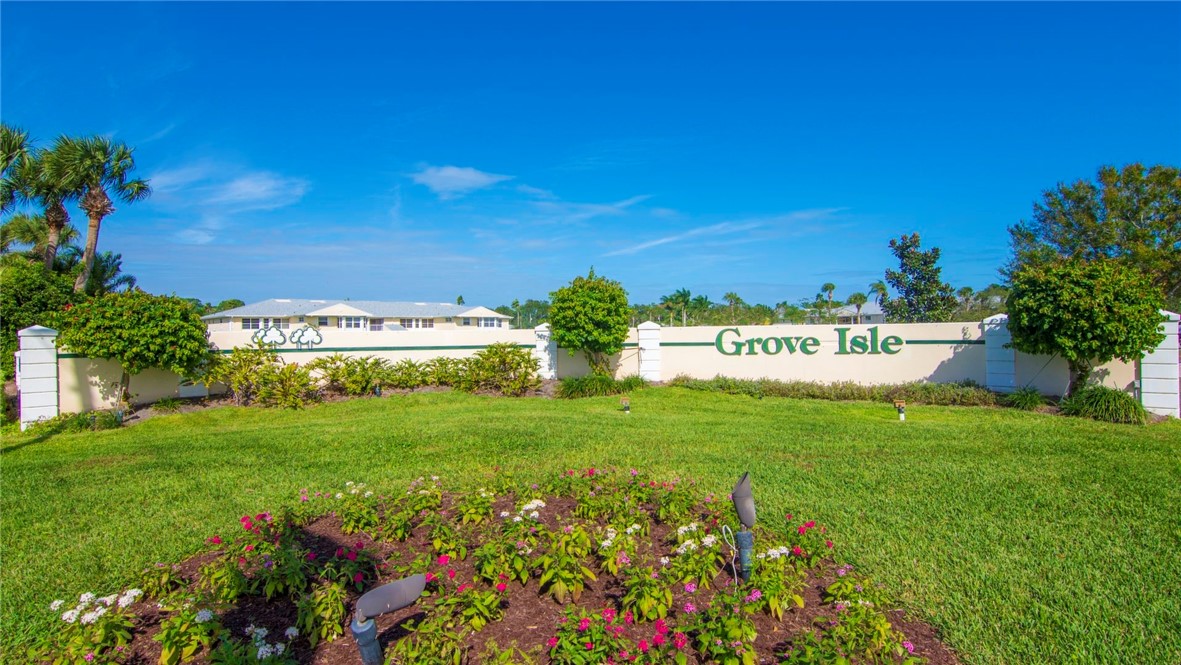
(216, 540)
(311, 556)
(450, 573)
(658, 640)
(430, 577)
(358, 577)
(789, 517)
(680, 640)
(443, 559)
(552, 642)
(810, 524)
(643, 646)
(351, 556)
(797, 551)
(339, 552)
(661, 627)
(828, 543)
(501, 587)
(359, 546)
(803, 530)
(250, 548)
(590, 645)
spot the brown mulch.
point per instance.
(529, 618)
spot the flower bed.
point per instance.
(591, 567)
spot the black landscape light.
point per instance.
(744, 505)
(901, 406)
(382, 600)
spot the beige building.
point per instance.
(371, 316)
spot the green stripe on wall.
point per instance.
(687, 344)
(945, 341)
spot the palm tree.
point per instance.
(681, 298)
(858, 300)
(31, 233)
(700, 305)
(107, 275)
(34, 184)
(734, 301)
(14, 147)
(99, 168)
(827, 288)
(878, 290)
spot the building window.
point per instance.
(448, 319)
(489, 322)
(251, 324)
(417, 323)
(282, 324)
(376, 324)
(352, 322)
(467, 321)
(322, 321)
(428, 323)
(301, 319)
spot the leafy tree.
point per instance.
(230, 303)
(827, 289)
(99, 168)
(459, 300)
(139, 331)
(922, 297)
(591, 315)
(29, 296)
(35, 184)
(858, 300)
(14, 146)
(1132, 214)
(28, 233)
(1086, 311)
(734, 301)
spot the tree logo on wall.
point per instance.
(270, 336)
(306, 337)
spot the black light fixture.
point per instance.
(901, 406)
(382, 600)
(744, 505)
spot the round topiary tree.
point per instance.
(1088, 312)
(138, 330)
(590, 315)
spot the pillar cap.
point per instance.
(37, 331)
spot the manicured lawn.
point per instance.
(1023, 537)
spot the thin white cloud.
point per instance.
(260, 190)
(449, 182)
(571, 212)
(713, 229)
(160, 134)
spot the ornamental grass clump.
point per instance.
(1106, 404)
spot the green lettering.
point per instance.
(778, 346)
(809, 346)
(789, 343)
(873, 341)
(890, 344)
(737, 346)
(750, 345)
(859, 345)
(842, 341)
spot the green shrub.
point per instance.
(332, 371)
(364, 375)
(1106, 404)
(506, 368)
(167, 405)
(597, 385)
(286, 386)
(965, 393)
(1026, 399)
(442, 371)
(405, 375)
(241, 371)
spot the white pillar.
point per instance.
(545, 350)
(1000, 359)
(1159, 390)
(649, 338)
(38, 374)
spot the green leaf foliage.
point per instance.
(1087, 312)
(591, 315)
(29, 296)
(921, 295)
(138, 330)
(1131, 214)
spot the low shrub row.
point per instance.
(597, 385)
(966, 393)
(254, 375)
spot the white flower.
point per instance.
(70, 616)
(265, 651)
(517, 518)
(250, 629)
(349, 483)
(535, 515)
(504, 513)
(632, 529)
(109, 600)
(368, 494)
(709, 541)
(260, 633)
(203, 616)
(86, 598)
(56, 605)
(291, 633)
(339, 495)
(280, 648)
(93, 615)
(664, 561)
(432, 478)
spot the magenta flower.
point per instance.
(590, 645)
(754, 595)
(552, 642)
(608, 615)
(584, 624)
(691, 587)
(908, 646)
(661, 627)
(680, 640)
(444, 559)
(501, 587)
(216, 540)
(690, 608)
(643, 646)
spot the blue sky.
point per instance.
(423, 151)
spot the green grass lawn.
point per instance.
(1022, 537)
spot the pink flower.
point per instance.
(311, 556)
(430, 577)
(643, 646)
(463, 587)
(691, 587)
(358, 577)
(754, 595)
(690, 608)
(828, 543)
(351, 556)
(680, 640)
(216, 540)
(250, 548)
(797, 551)
(501, 587)
(339, 551)
(628, 617)
(444, 559)
(661, 627)
(584, 624)
(908, 646)
(552, 642)
(89, 657)
(802, 530)
(608, 615)
(590, 645)
(450, 573)
(658, 640)
(360, 545)
(788, 517)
